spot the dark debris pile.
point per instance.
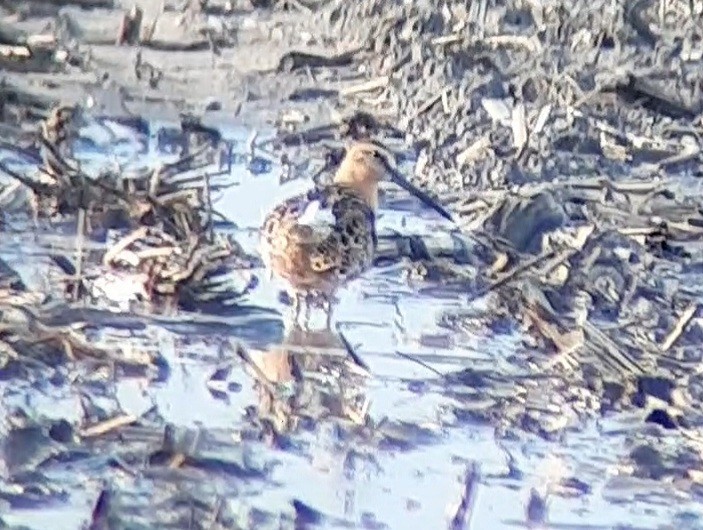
(160, 219)
(144, 236)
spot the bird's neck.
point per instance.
(360, 179)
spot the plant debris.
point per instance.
(563, 138)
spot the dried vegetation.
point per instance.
(565, 138)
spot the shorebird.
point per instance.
(320, 240)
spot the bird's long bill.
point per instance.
(396, 177)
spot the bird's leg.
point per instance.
(328, 318)
(308, 311)
(328, 306)
(295, 309)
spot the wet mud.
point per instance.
(532, 362)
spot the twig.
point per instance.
(678, 329)
(36, 187)
(260, 375)
(373, 84)
(517, 270)
(462, 514)
(122, 245)
(350, 350)
(427, 105)
(108, 425)
(421, 363)
(604, 347)
(531, 43)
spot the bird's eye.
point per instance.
(377, 154)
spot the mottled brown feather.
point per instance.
(310, 257)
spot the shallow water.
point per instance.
(405, 469)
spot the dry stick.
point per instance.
(260, 375)
(65, 167)
(155, 179)
(101, 509)
(56, 156)
(472, 226)
(36, 187)
(445, 102)
(122, 244)
(151, 253)
(678, 329)
(603, 343)
(688, 153)
(463, 512)
(373, 84)
(517, 270)
(644, 231)
(350, 350)
(427, 105)
(67, 348)
(190, 157)
(8, 191)
(130, 27)
(106, 426)
(532, 44)
(421, 363)
(451, 38)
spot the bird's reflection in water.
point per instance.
(310, 376)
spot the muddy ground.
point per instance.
(563, 356)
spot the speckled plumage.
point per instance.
(319, 257)
(320, 240)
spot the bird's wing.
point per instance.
(325, 228)
(303, 230)
(318, 231)
(319, 217)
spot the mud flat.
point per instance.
(536, 361)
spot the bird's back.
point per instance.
(319, 239)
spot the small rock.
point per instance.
(213, 104)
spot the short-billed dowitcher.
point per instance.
(320, 240)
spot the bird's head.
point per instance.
(366, 164)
